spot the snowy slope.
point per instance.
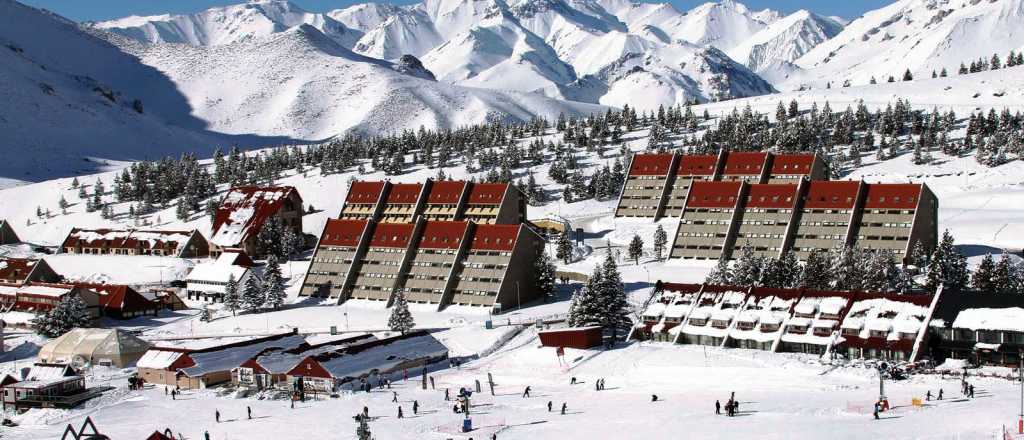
(920, 35)
(68, 96)
(228, 24)
(786, 39)
(365, 16)
(305, 85)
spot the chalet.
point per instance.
(165, 299)
(815, 323)
(706, 225)
(207, 281)
(885, 326)
(760, 322)
(710, 321)
(897, 217)
(386, 258)
(269, 370)
(24, 270)
(750, 167)
(243, 212)
(646, 185)
(181, 244)
(364, 201)
(982, 328)
(494, 203)
(39, 298)
(764, 221)
(497, 270)
(119, 301)
(445, 199)
(437, 251)
(7, 235)
(403, 203)
(46, 386)
(334, 267)
(348, 367)
(825, 216)
(689, 168)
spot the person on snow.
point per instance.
(415, 406)
(876, 412)
(432, 382)
(526, 392)
(928, 396)
(572, 381)
(446, 398)
(400, 412)
(394, 398)
(216, 415)
(970, 389)
(366, 412)
(248, 410)
(718, 408)
(174, 394)
(654, 397)
(455, 408)
(564, 407)
(206, 435)
(549, 406)
(940, 393)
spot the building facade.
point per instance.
(243, 212)
(489, 203)
(181, 244)
(7, 235)
(646, 185)
(334, 267)
(22, 270)
(706, 227)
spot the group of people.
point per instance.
(967, 389)
(136, 383)
(732, 406)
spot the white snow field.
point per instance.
(781, 397)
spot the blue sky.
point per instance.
(105, 9)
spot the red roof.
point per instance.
(251, 363)
(792, 163)
(487, 193)
(127, 238)
(16, 269)
(744, 163)
(650, 164)
(157, 435)
(763, 292)
(364, 192)
(681, 287)
(443, 235)
(893, 196)
(446, 191)
(393, 235)
(772, 196)
(309, 367)
(703, 165)
(495, 237)
(713, 194)
(406, 193)
(342, 232)
(119, 297)
(263, 202)
(831, 195)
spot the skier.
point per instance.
(206, 434)
(366, 412)
(940, 393)
(572, 381)
(400, 412)
(970, 389)
(549, 406)
(432, 382)
(394, 398)
(415, 406)
(718, 408)
(446, 398)
(216, 415)
(526, 392)
(928, 396)
(174, 395)
(477, 385)
(654, 397)
(564, 407)
(876, 412)
(292, 401)
(248, 410)
(455, 408)
(387, 382)
(405, 375)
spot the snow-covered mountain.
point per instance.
(785, 40)
(564, 49)
(920, 35)
(229, 24)
(71, 100)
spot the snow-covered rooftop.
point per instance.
(1006, 319)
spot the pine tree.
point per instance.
(847, 268)
(63, 203)
(563, 248)
(273, 285)
(400, 320)
(907, 76)
(614, 305)
(983, 279)
(232, 299)
(544, 275)
(721, 274)
(747, 271)
(74, 182)
(660, 241)
(269, 238)
(205, 315)
(636, 248)
(584, 309)
(253, 298)
(816, 273)
(947, 267)
(70, 313)
(1006, 277)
